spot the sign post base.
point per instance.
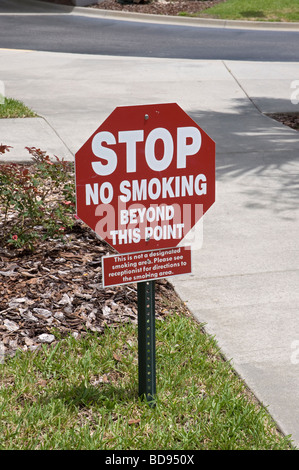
(146, 341)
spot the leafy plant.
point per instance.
(36, 200)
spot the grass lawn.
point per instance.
(83, 394)
(12, 108)
(257, 10)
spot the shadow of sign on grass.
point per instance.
(252, 14)
(104, 395)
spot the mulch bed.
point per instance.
(164, 7)
(57, 291)
(288, 119)
(156, 7)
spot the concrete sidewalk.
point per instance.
(245, 279)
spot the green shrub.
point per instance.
(36, 200)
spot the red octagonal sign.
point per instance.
(145, 177)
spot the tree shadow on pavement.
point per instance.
(257, 153)
(15, 6)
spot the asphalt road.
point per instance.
(79, 34)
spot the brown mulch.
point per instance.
(288, 119)
(164, 7)
(57, 291)
(156, 7)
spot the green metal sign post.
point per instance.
(146, 341)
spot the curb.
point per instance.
(186, 21)
(165, 19)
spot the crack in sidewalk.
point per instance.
(59, 137)
(241, 87)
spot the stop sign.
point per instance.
(145, 177)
